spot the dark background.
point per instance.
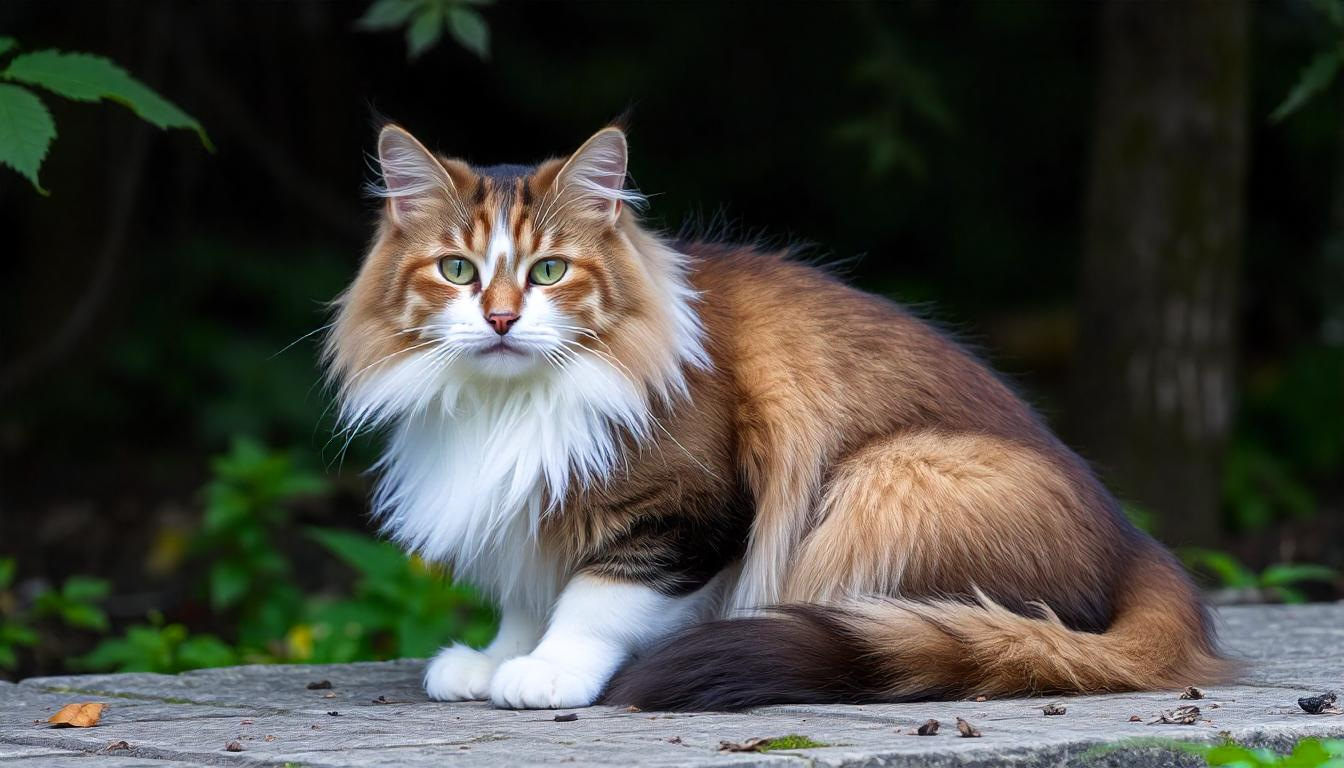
(1092, 194)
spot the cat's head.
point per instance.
(507, 276)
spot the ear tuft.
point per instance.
(594, 177)
(412, 176)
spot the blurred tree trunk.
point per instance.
(1152, 397)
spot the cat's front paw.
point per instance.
(530, 682)
(459, 673)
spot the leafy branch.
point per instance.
(1324, 67)
(26, 127)
(426, 21)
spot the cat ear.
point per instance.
(412, 176)
(592, 181)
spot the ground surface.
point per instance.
(376, 714)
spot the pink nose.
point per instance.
(502, 321)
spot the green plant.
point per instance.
(1280, 579)
(156, 647)
(73, 605)
(15, 629)
(400, 607)
(1308, 753)
(1320, 73)
(246, 507)
(426, 21)
(26, 127)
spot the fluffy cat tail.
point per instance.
(887, 649)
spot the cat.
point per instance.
(694, 475)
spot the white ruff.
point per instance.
(468, 477)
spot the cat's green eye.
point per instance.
(457, 270)
(547, 271)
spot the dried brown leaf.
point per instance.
(929, 728)
(84, 715)
(967, 730)
(1192, 693)
(233, 746)
(116, 746)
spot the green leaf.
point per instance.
(1226, 568)
(228, 583)
(374, 559)
(26, 131)
(1285, 575)
(8, 659)
(7, 44)
(84, 589)
(83, 616)
(17, 634)
(425, 31)
(85, 77)
(1315, 77)
(387, 14)
(7, 567)
(470, 29)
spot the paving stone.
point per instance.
(384, 718)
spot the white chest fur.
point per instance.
(467, 475)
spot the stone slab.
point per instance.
(383, 718)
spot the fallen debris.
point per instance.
(567, 718)
(320, 685)
(117, 746)
(750, 745)
(929, 728)
(1192, 693)
(1135, 719)
(1178, 716)
(1320, 705)
(233, 746)
(674, 740)
(1052, 710)
(967, 730)
(334, 714)
(84, 715)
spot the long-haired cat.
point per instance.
(700, 476)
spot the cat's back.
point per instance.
(795, 335)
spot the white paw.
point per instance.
(459, 673)
(529, 682)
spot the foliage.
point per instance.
(245, 508)
(906, 95)
(158, 648)
(426, 21)
(26, 127)
(1290, 439)
(1317, 76)
(399, 606)
(73, 605)
(1280, 580)
(1308, 753)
